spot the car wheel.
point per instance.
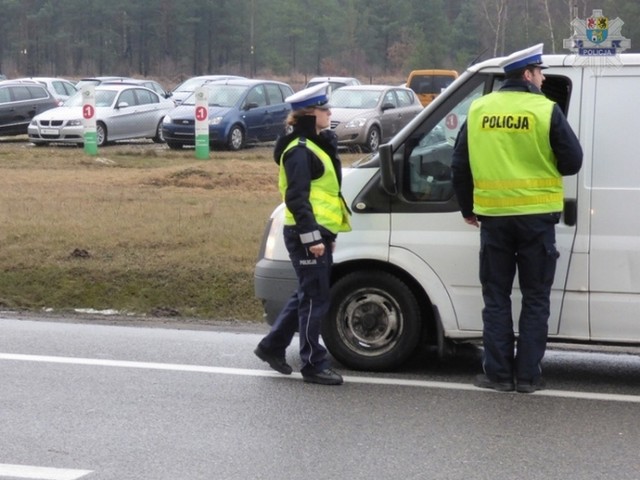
(373, 140)
(159, 138)
(174, 145)
(236, 138)
(374, 321)
(101, 134)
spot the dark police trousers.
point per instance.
(525, 243)
(306, 308)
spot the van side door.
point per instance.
(612, 178)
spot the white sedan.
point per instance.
(123, 112)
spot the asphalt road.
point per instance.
(145, 402)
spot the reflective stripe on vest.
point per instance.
(514, 169)
(329, 208)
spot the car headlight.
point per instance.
(215, 120)
(356, 123)
(166, 120)
(75, 123)
(34, 122)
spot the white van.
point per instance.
(407, 274)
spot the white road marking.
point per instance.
(609, 397)
(40, 473)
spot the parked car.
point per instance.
(59, 88)
(99, 80)
(334, 82)
(364, 116)
(145, 82)
(19, 103)
(122, 112)
(428, 84)
(186, 88)
(241, 111)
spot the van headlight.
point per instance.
(275, 231)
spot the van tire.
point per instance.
(373, 322)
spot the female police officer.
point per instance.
(309, 181)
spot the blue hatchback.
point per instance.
(241, 111)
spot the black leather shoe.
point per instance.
(524, 386)
(325, 377)
(279, 364)
(483, 381)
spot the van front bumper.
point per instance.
(274, 282)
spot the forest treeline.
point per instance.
(362, 38)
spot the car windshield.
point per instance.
(104, 98)
(221, 95)
(345, 98)
(189, 85)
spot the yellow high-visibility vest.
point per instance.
(513, 167)
(328, 205)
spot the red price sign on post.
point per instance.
(202, 123)
(89, 119)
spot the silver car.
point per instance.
(59, 88)
(186, 88)
(123, 112)
(365, 116)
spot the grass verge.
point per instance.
(138, 228)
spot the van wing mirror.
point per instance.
(387, 174)
(570, 211)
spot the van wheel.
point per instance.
(373, 322)
(373, 140)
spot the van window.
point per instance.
(427, 170)
(429, 162)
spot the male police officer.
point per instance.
(507, 169)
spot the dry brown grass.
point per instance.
(138, 228)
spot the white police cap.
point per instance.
(531, 56)
(315, 96)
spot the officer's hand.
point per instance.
(317, 250)
(472, 220)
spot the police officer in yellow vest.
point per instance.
(507, 169)
(309, 181)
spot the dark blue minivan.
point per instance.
(241, 112)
